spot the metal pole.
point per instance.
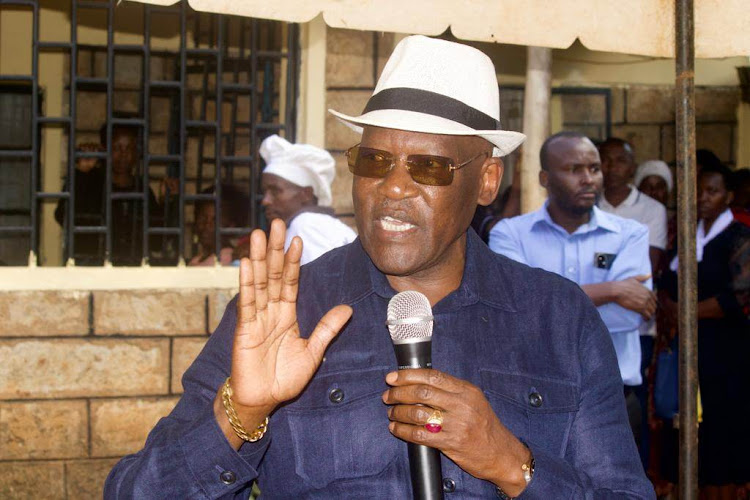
(686, 227)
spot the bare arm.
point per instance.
(710, 309)
(629, 293)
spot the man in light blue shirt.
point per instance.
(607, 255)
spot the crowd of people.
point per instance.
(628, 267)
(295, 183)
(548, 386)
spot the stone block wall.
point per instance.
(84, 377)
(354, 60)
(644, 115)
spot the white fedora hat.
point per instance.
(437, 87)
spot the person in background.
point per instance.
(235, 209)
(508, 204)
(126, 214)
(296, 186)
(741, 202)
(653, 178)
(605, 254)
(622, 198)
(706, 158)
(723, 254)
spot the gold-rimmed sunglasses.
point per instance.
(431, 170)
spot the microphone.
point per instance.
(410, 324)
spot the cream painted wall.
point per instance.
(743, 132)
(311, 107)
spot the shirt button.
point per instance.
(571, 269)
(336, 395)
(449, 485)
(228, 477)
(535, 399)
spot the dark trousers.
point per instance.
(634, 413)
(641, 391)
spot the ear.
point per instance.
(543, 178)
(492, 175)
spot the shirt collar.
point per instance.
(361, 278)
(599, 220)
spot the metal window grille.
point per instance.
(199, 108)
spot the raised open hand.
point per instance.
(271, 363)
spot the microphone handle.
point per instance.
(424, 462)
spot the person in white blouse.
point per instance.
(296, 186)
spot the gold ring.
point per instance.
(434, 423)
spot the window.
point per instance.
(128, 153)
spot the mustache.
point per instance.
(398, 210)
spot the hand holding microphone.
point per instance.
(410, 325)
(470, 434)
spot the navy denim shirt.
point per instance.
(530, 339)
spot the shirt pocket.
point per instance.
(537, 410)
(339, 428)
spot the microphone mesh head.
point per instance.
(409, 316)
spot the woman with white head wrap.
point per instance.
(654, 178)
(296, 187)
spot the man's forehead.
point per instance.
(616, 147)
(566, 147)
(374, 136)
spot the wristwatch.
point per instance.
(528, 473)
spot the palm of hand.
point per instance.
(271, 363)
(276, 370)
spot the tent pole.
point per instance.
(686, 228)
(535, 124)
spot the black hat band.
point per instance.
(431, 103)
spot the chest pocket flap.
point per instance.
(339, 427)
(537, 410)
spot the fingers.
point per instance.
(290, 274)
(328, 327)
(419, 394)
(260, 269)
(246, 313)
(410, 414)
(424, 376)
(643, 277)
(275, 259)
(418, 434)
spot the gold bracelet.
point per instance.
(234, 420)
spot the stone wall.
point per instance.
(84, 377)
(354, 60)
(644, 115)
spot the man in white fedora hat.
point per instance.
(298, 390)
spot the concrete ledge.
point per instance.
(116, 278)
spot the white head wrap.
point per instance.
(653, 167)
(300, 164)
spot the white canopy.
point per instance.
(644, 27)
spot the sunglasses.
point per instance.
(430, 170)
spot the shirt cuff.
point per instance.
(553, 478)
(214, 464)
